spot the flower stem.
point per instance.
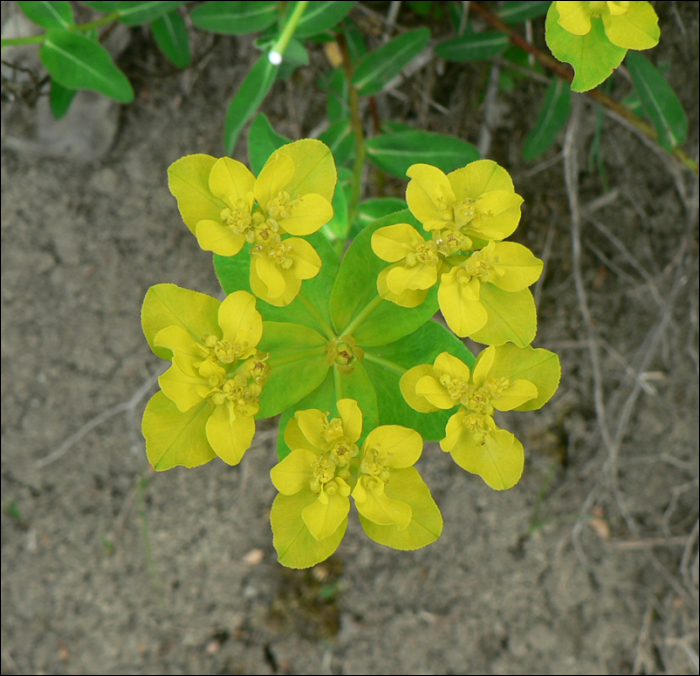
(356, 122)
(566, 73)
(277, 51)
(389, 365)
(298, 356)
(362, 315)
(338, 379)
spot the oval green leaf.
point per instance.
(78, 62)
(246, 100)
(395, 153)
(136, 13)
(340, 138)
(235, 18)
(263, 140)
(320, 16)
(60, 99)
(550, 120)
(170, 33)
(659, 101)
(48, 14)
(473, 46)
(298, 362)
(383, 64)
(102, 6)
(515, 12)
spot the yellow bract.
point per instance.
(326, 466)
(630, 25)
(226, 207)
(216, 377)
(504, 378)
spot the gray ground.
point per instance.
(589, 565)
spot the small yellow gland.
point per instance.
(449, 242)
(281, 206)
(373, 465)
(238, 219)
(477, 424)
(456, 387)
(481, 265)
(424, 254)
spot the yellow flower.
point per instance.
(476, 201)
(216, 370)
(508, 266)
(226, 207)
(471, 437)
(630, 25)
(326, 466)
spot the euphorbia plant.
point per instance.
(347, 350)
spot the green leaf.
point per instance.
(356, 42)
(322, 398)
(246, 100)
(175, 438)
(355, 293)
(170, 34)
(320, 16)
(395, 153)
(106, 6)
(340, 138)
(426, 521)
(373, 209)
(136, 13)
(550, 120)
(263, 140)
(47, 14)
(473, 46)
(296, 547)
(76, 62)
(420, 7)
(383, 64)
(298, 362)
(592, 56)
(357, 385)
(60, 99)
(235, 18)
(511, 317)
(309, 308)
(337, 104)
(659, 101)
(515, 12)
(296, 55)
(338, 227)
(171, 305)
(385, 364)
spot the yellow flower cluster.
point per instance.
(226, 207)
(466, 213)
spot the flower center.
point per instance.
(478, 425)
(449, 242)
(241, 389)
(280, 206)
(373, 465)
(424, 254)
(222, 352)
(237, 218)
(267, 241)
(480, 399)
(479, 264)
(343, 353)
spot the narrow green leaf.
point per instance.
(310, 308)
(170, 33)
(395, 153)
(60, 99)
(550, 120)
(473, 46)
(337, 104)
(320, 16)
(338, 227)
(77, 62)
(340, 138)
(355, 293)
(420, 7)
(263, 140)
(175, 438)
(592, 56)
(49, 14)
(102, 5)
(298, 362)
(356, 42)
(373, 209)
(383, 64)
(515, 12)
(659, 101)
(246, 100)
(136, 13)
(385, 364)
(235, 18)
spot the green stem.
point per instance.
(298, 356)
(287, 33)
(338, 379)
(364, 313)
(34, 39)
(389, 365)
(327, 330)
(356, 122)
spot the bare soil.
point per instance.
(588, 566)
